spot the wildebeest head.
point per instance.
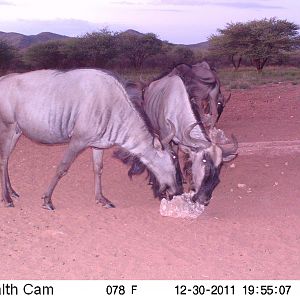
(162, 172)
(204, 164)
(161, 176)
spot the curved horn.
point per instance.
(230, 149)
(228, 98)
(170, 136)
(187, 133)
(188, 137)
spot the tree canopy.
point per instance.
(7, 56)
(138, 48)
(258, 40)
(97, 49)
(45, 55)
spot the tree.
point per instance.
(259, 40)
(269, 38)
(74, 54)
(45, 55)
(230, 42)
(137, 48)
(181, 54)
(94, 49)
(100, 47)
(7, 56)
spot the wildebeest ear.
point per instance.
(229, 152)
(227, 99)
(181, 70)
(203, 72)
(157, 144)
(203, 64)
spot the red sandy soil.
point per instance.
(249, 231)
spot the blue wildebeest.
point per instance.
(203, 87)
(84, 108)
(166, 103)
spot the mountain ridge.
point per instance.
(22, 41)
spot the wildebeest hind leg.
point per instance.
(74, 148)
(98, 166)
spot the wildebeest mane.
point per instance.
(136, 97)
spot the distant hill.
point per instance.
(22, 41)
(132, 32)
(202, 45)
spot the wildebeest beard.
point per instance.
(137, 168)
(210, 180)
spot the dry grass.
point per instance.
(248, 77)
(145, 75)
(244, 78)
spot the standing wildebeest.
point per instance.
(166, 103)
(84, 108)
(203, 87)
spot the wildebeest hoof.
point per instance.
(48, 206)
(14, 194)
(10, 204)
(109, 205)
(105, 202)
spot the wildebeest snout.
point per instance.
(202, 198)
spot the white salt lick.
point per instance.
(181, 206)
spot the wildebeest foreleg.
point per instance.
(8, 140)
(17, 134)
(74, 148)
(98, 167)
(5, 191)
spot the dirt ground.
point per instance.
(249, 231)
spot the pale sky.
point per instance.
(176, 21)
